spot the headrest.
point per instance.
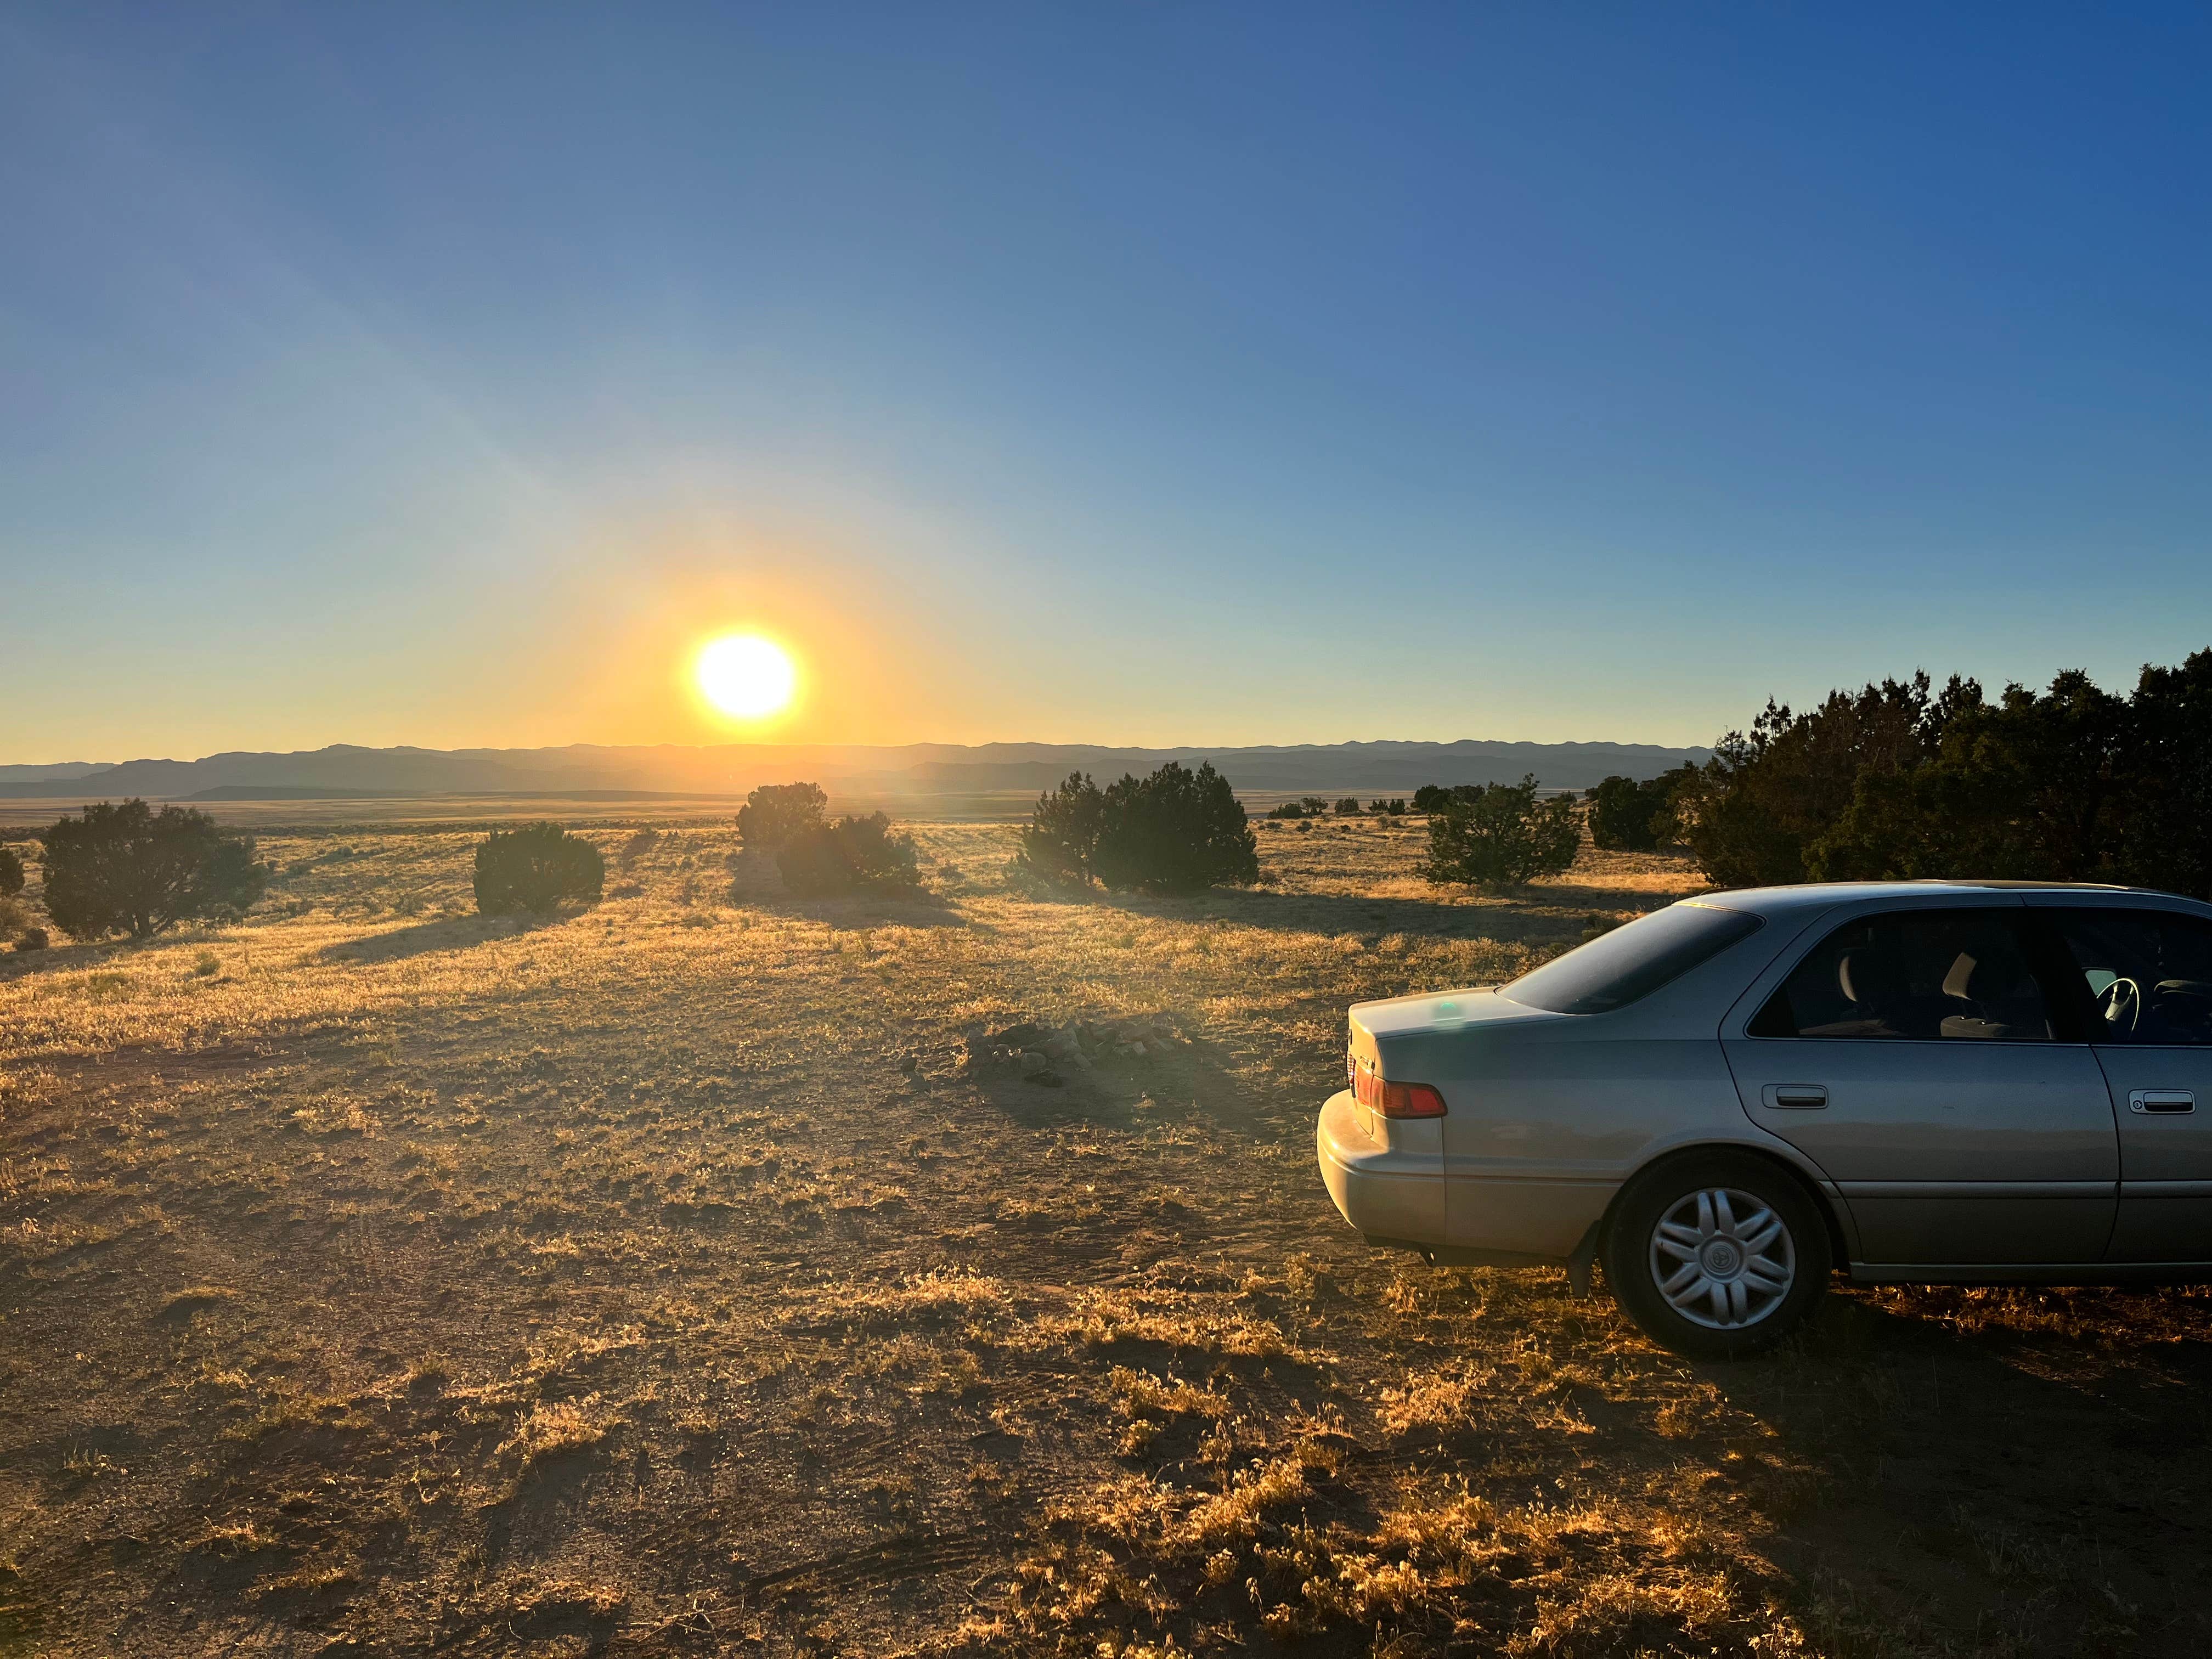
(1870, 976)
(1959, 982)
(1980, 978)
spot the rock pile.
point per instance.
(1042, 1054)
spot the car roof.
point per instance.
(1774, 901)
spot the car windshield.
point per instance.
(1617, 969)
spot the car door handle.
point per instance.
(1796, 1096)
(2162, 1100)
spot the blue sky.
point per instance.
(1127, 373)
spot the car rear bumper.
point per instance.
(1397, 1195)
(1400, 1197)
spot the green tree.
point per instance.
(536, 868)
(2163, 834)
(1752, 813)
(2033, 787)
(127, 869)
(2071, 783)
(1631, 814)
(11, 872)
(849, 854)
(774, 813)
(1175, 831)
(1501, 834)
(1061, 836)
(1620, 816)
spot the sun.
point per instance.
(745, 675)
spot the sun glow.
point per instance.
(745, 676)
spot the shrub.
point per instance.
(1752, 814)
(1629, 816)
(1061, 836)
(1348, 807)
(774, 813)
(126, 868)
(849, 854)
(2074, 784)
(11, 872)
(1175, 831)
(15, 917)
(31, 938)
(2071, 783)
(1315, 805)
(536, 869)
(1501, 833)
(1431, 798)
(1289, 809)
(1387, 808)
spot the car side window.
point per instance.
(2149, 972)
(1915, 975)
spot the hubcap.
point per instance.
(1723, 1259)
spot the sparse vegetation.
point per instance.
(776, 812)
(536, 869)
(849, 855)
(1500, 834)
(416, 1285)
(127, 869)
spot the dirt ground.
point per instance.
(375, 1278)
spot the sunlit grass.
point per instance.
(459, 1284)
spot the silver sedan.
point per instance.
(1727, 1099)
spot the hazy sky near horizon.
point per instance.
(1137, 373)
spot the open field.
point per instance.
(418, 813)
(378, 1280)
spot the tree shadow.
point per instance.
(749, 889)
(1530, 914)
(1195, 1080)
(448, 933)
(23, 964)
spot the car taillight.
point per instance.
(1395, 1099)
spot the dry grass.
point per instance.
(378, 1278)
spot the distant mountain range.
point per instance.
(46, 773)
(912, 771)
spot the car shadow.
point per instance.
(2022, 1484)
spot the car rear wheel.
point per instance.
(1717, 1254)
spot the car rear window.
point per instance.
(1630, 962)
